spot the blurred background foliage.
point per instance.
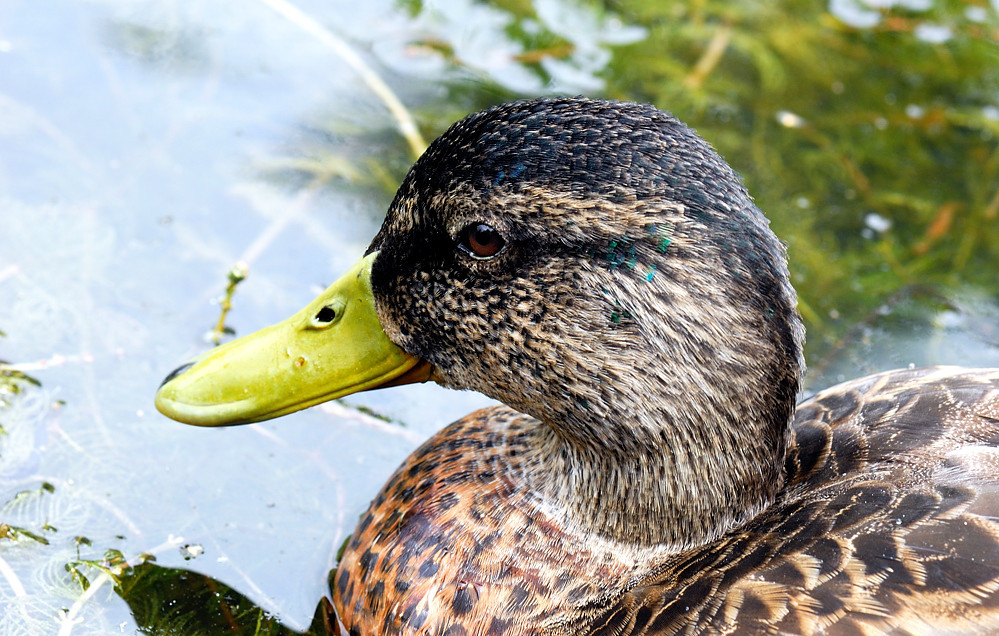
(872, 146)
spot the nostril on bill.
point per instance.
(326, 314)
(176, 372)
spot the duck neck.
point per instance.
(659, 477)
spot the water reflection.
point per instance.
(170, 48)
(918, 326)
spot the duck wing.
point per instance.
(889, 524)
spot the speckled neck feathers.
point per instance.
(631, 252)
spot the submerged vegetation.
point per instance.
(13, 382)
(175, 601)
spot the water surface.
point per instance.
(147, 147)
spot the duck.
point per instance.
(598, 269)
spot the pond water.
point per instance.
(150, 146)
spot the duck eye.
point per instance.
(481, 240)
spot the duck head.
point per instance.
(593, 264)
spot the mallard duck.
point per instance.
(600, 270)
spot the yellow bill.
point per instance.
(333, 347)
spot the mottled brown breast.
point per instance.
(453, 545)
(888, 524)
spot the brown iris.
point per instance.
(481, 240)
